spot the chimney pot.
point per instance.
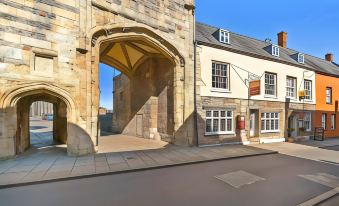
(282, 39)
(329, 57)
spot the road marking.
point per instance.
(239, 178)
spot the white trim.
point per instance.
(301, 58)
(226, 33)
(219, 133)
(270, 140)
(219, 118)
(269, 119)
(275, 50)
(220, 90)
(269, 131)
(270, 96)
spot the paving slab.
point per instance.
(51, 164)
(303, 151)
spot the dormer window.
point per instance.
(301, 58)
(224, 36)
(275, 50)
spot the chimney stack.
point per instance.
(329, 57)
(282, 39)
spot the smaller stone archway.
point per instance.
(15, 104)
(22, 139)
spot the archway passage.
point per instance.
(41, 125)
(28, 134)
(143, 103)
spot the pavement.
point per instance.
(125, 143)
(52, 163)
(319, 151)
(266, 180)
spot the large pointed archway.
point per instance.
(144, 93)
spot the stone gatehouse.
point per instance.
(50, 51)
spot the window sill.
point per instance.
(308, 100)
(218, 133)
(292, 99)
(270, 96)
(273, 131)
(220, 90)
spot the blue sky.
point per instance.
(312, 27)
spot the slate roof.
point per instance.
(206, 34)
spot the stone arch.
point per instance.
(11, 96)
(103, 34)
(15, 103)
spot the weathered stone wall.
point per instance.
(53, 47)
(143, 104)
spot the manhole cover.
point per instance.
(239, 178)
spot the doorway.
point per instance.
(254, 126)
(41, 122)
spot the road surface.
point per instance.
(262, 180)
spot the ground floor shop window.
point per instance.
(219, 122)
(270, 122)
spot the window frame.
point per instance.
(275, 84)
(324, 120)
(295, 87)
(310, 90)
(225, 34)
(301, 58)
(219, 118)
(269, 119)
(330, 95)
(308, 120)
(275, 50)
(220, 76)
(333, 121)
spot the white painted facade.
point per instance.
(238, 89)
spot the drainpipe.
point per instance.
(195, 85)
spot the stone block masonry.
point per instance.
(68, 35)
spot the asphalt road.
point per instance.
(185, 185)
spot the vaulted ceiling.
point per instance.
(127, 56)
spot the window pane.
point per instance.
(208, 125)
(215, 125)
(223, 125)
(208, 113)
(215, 113)
(263, 125)
(223, 114)
(276, 124)
(229, 113)
(229, 125)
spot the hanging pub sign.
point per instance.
(254, 87)
(302, 94)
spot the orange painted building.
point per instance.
(327, 97)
